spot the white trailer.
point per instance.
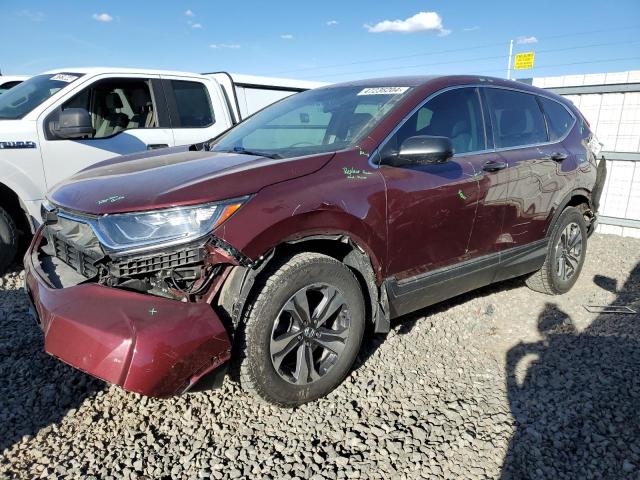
(62, 121)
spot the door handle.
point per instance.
(156, 146)
(493, 166)
(557, 156)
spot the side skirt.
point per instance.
(414, 293)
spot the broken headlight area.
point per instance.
(70, 253)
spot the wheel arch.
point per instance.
(13, 205)
(239, 287)
(574, 198)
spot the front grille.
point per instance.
(77, 259)
(158, 261)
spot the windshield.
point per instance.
(23, 98)
(315, 121)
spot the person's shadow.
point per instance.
(575, 397)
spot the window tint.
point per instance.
(116, 105)
(454, 114)
(193, 104)
(516, 116)
(559, 120)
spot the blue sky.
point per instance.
(326, 40)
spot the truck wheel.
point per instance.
(565, 256)
(8, 240)
(302, 331)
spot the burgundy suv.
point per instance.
(274, 246)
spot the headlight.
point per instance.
(138, 231)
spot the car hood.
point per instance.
(174, 177)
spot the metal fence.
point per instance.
(612, 108)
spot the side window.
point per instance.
(516, 117)
(455, 114)
(192, 104)
(559, 120)
(116, 105)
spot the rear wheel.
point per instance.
(302, 331)
(565, 255)
(8, 240)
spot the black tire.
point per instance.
(315, 277)
(550, 279)
(8, 240)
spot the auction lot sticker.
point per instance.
(383, 90)
(64, 77)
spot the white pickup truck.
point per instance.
(59, 122)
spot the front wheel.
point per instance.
(302, 331)
(8, 240)
(565, 255)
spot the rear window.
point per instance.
(559, 120)
(516, 117)
(192, 104)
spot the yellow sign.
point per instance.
(523, 61)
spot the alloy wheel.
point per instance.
(569, 251)
(310, 333)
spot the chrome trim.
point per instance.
(478, 152)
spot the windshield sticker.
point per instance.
(64, 77)
(111, 199)
(383, 91)
(355, 173)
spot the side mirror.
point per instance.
(422, 150)
(72, 123)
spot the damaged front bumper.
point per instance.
(147, 344)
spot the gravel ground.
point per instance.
(499, 383)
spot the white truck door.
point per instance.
(128, 113)
(197, 109)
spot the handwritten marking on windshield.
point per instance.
(111, 199)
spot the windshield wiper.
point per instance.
(256, 153)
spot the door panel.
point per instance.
(431, 209)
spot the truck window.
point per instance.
(22, 99)
(117, 105)
(193, 105)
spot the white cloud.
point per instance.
(420, 22)
(102, 17)
(196, 25)
(189, 13)
(31, 15)
(526, 40)
(331, 23)
(471, 29)
(287, 36)
(233, 46)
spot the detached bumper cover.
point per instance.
(149, 345)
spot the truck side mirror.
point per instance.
(421, 150)
(73, 123)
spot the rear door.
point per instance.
(198, 113)
(128, 113)
(530, 179)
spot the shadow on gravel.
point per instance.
(576, 402)
(36, 390)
